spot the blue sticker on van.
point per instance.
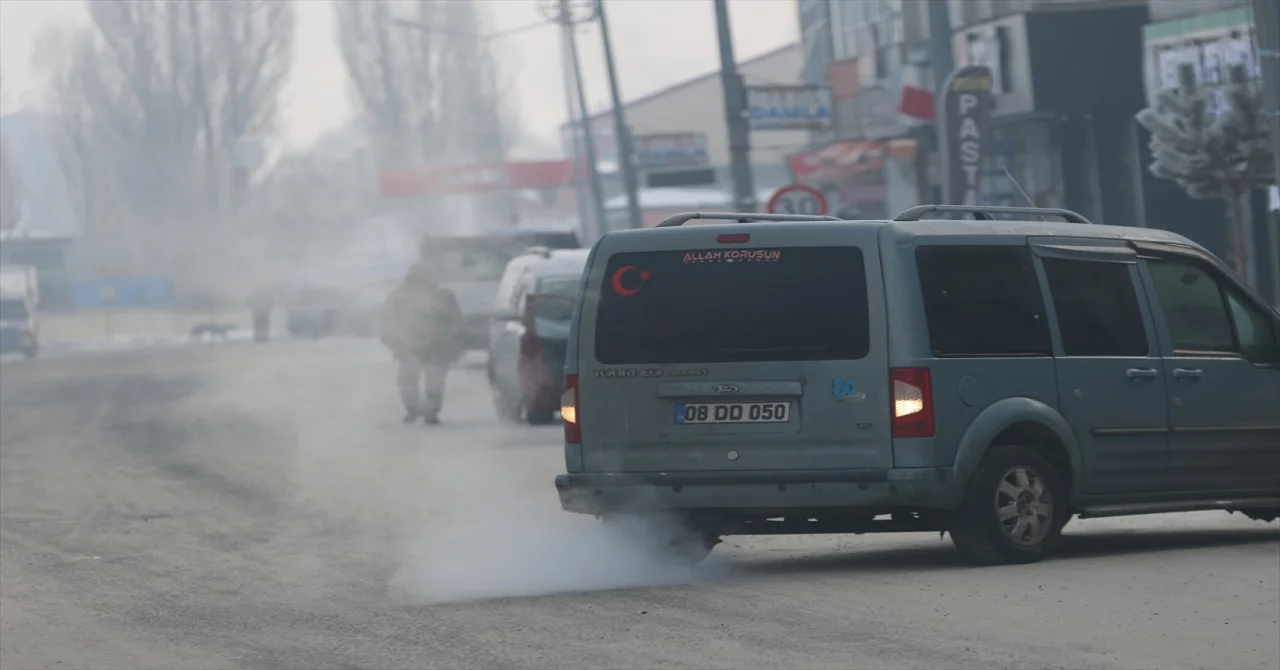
(842, 388)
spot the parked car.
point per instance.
(530, 332)
(472, 267)
(989, 379)
(19, 309)
(19, 330)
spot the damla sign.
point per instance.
(789, 107)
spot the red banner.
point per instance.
(835, 161)
(474, 178)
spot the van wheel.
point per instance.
(1013, 510)
(666, 540)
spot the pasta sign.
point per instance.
(966, 110)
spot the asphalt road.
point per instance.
(262, 507)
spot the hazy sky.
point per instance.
(656, 43)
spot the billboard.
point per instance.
(123, 292)
(789, 107)
(670, 150)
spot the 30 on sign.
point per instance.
(799, 200)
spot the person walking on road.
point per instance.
(422, 325)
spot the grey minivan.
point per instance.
(989, 378)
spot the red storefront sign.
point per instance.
(475, 178)
(835, 160)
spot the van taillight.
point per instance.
(912, 402)
(733, 238)
(569, 410)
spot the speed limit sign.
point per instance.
(798, 199)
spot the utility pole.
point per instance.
(1266, 21)
(626, 149)
(571, 114)
(735, 111)
(562, 12)
(942, 64)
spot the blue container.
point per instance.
(123, 292)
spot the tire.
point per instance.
(668, 541)
(978, 532)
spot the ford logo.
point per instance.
(726, 388)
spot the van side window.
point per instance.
(1195, 309)
(1097, 308)
(1255, 330)
(982, 301)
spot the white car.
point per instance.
(530, 331)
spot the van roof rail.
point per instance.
(740, 217)
(983, 213)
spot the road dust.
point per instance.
(457, 512)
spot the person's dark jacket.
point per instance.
(422, 319)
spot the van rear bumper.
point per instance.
(603, 493)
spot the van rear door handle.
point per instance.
(1141, 373)
(1187, 373)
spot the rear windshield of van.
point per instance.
(733, 305)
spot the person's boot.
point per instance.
(431, 416)
(412, 414)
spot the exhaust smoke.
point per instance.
(458, 512)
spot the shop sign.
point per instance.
(789, 107)
(664, 150)
(965, 116)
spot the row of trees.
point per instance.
(168, 113)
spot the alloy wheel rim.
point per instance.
(1024, 506)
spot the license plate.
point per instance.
(733, 412)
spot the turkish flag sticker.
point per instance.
(628, 279)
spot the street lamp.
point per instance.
(491, 80)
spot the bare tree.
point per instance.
(151, 101)
(1214, 144)
(428, 86)
(393, 72)
(250, 46)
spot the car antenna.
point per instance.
(1030, 203)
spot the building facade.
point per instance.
(1067, 82)
(696, 107)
